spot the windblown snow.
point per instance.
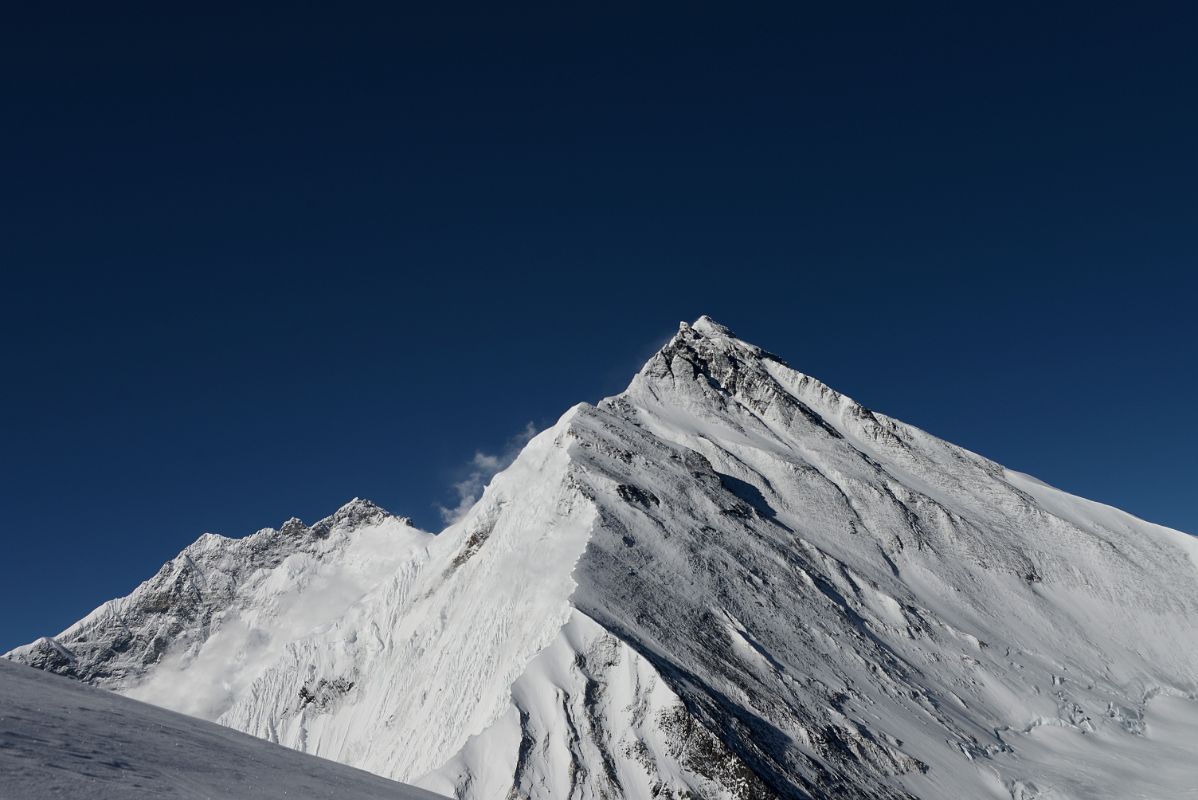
(729, 581)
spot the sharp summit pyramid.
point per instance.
(728, 581)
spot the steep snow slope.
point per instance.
(871, 610)
(731, 581)
(59, 738)
(494, 592)
(196, 634)
(743, 584)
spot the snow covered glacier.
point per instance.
(729, 581)
(61, 738)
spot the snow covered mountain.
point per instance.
(729, 581)
(59, 738)
(194, 636)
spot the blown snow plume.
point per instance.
(729, 581)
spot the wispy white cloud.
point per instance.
(479, 471)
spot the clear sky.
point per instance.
(258, 262)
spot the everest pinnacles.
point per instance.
(728, 581)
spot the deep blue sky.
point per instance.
(258, 262)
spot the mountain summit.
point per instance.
(728, 581)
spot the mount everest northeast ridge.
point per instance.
(729, 581)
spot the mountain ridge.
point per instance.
(185, 604)
(731, 580)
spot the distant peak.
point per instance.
(293, 526)
(355, 513)
(360, 505)
(709, 327)
(352, 515)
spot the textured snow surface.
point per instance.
(61, 739)
(731, 581)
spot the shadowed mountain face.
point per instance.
(728, 581)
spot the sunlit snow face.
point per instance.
(731, 576)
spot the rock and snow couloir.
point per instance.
(729, 581)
